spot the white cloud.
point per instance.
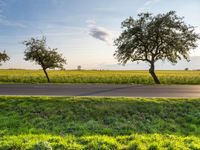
(150, 2)
(146, 6)
(99, 32)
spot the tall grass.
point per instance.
(99, 123)
(88, 76)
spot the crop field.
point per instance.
(99, 123)
(110, 77)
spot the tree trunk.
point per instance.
(46, 75)
(152, 72)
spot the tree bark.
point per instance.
(152, 72)
(46, 75)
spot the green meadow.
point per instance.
(99, 123)
(93, 76)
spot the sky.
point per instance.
(84, 30)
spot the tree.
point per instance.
(186, 69)
(37, 51)
(152, 38)
(79, 67)
(3, 57)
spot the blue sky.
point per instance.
(83, 30)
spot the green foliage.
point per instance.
(88, 76)
(3, 57)
(47, 58)
(99, 123)
(152, 38)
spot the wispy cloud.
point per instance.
(2, 3)
(99, 32)
(146, 6)
(6, 22)
(150, 2)
(104, 9)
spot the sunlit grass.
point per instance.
(99, 142)
(99, 123)
(86, 76)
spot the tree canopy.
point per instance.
(3, 57)
(151, 38)
(38, 52)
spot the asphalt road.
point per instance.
(100, 90)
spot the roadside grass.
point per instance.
(99, 142)
(92, 76)
(99, 123)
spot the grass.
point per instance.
(88, 76)
(99, 123)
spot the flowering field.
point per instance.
(88, 76)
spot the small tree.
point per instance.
(37, 51)
(79, 67)
(186, 69)
(3, 57)
(152, 38)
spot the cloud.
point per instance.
(99, 32)
(104, 9)
(146, 6)
(6, 22)
(150, 2)
(2, 3)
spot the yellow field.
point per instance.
(90, 76)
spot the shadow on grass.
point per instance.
(103, 116)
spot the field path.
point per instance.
(100, 90)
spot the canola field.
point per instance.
(96, 76)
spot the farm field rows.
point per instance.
(88, 76)
(99, 123)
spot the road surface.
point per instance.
(101, 90)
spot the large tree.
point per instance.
(3, 57)
(151, 38)
(38, 52)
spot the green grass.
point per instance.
(88, 76)
(99, 123)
